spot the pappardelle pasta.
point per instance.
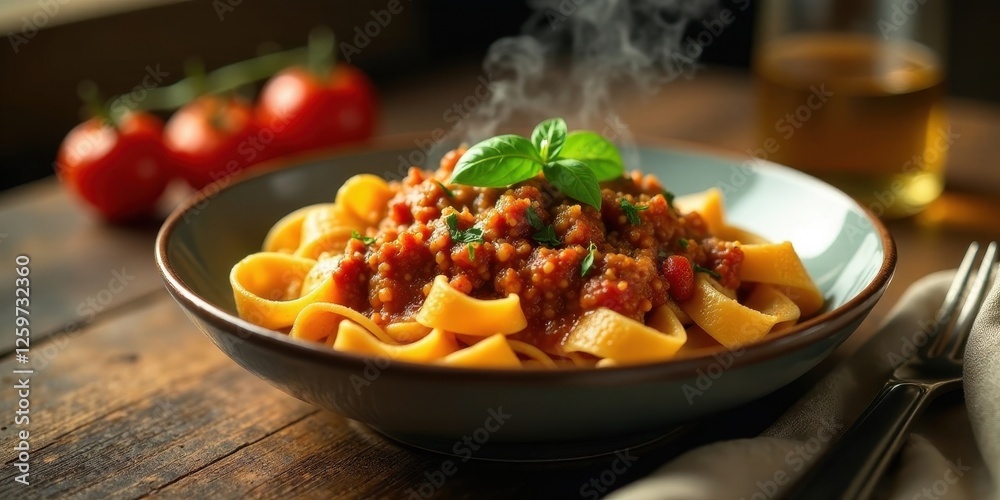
(427, 271)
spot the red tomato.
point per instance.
(680, 275)
(120, 171)
(299, 112)
(210, 138)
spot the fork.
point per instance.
(852, 467)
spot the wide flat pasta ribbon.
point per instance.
(286, 235)
(332, 242)
(769, 300)
(267, 288)
(709, 205)
(327, 228)
(730, 323)
(351, 337)
(320, 320)
(777, 264)
(366, 197)
(454, 311)
(407, 331)
(610, 335)
(491, 352)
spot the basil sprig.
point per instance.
(574, 162)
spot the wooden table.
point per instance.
(128, 399)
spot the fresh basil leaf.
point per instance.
(598, 153)
(588, 261)
(547, 236)
(548, 138)
(367, 240)
(497, 162)
(533, 218)
(575, 180)
(710, 272)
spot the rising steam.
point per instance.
(574, 55)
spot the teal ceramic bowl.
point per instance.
(845, 248)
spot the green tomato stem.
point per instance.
(320, 52)
(87, 90)
(223, 79)
(194, 71)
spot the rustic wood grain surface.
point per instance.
(129, 400)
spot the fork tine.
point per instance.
(951, 299)
(963, 325)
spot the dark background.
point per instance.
(38, 103)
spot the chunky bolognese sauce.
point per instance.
(531, 240)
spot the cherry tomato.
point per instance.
(301, 112)
(680, 275)
(120, 171)
(210, 138)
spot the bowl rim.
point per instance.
(801, 335)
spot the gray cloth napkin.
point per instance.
(765, 467)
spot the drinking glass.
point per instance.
(852, 91)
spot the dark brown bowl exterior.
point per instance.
(439, 406)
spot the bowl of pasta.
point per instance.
(537, 288)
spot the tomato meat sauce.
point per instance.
(389, 279)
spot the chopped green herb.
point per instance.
(447, 191)
(533, 218)
(683, 242)
(547, 236)
(631, 211)
(588, 261)
(367, 240)
(710, 272)
(662, 254)
(468, 236)
(670, 197)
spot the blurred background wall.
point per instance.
(50, 45)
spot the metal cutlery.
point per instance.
(853, 466)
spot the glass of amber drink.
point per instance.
(852, 91)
